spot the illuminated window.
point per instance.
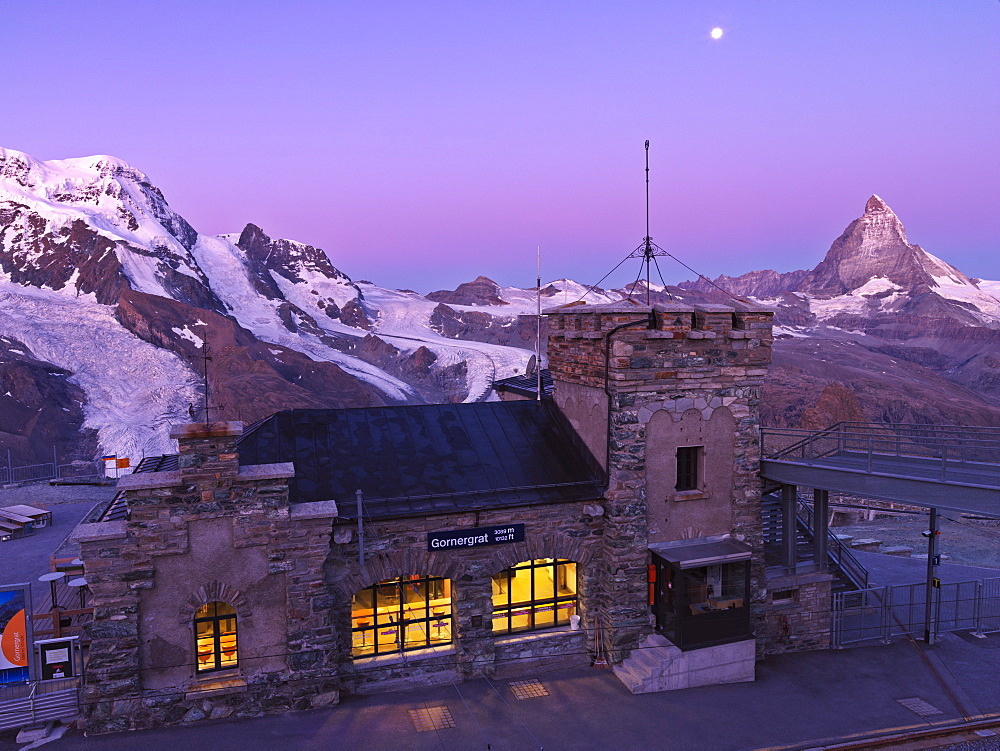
(411, 612)
(687, 467)
(215, 636)
(534, 594)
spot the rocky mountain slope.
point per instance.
(908, 336)
(108, 298)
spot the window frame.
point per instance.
(430, 623)
(557, 603)
(216, 621)
(689, 468)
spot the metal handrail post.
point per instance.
(869, 453)
(980, 594)
(887, 613)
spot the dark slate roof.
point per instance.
(165, 463)
(427, 459)
(526, 385)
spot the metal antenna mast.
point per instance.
(206, 358)
(538, 325)
(648, 250)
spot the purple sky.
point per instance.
(423, 143)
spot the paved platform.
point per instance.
(797, 701)
(25, 559)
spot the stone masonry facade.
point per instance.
(394, 548)
(676, 358)
(122, 561)
(215, 531)
(799, 620)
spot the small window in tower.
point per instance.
(688, 458)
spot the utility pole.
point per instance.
(361, 529)
(538, 325)
(933, 582)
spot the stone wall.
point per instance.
(209, 530)
(800, 622)
(674, 359)
(395, 548)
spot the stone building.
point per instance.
(329, 551)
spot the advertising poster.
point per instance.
(15, 648)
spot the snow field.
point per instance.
(135, 391)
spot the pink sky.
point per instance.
(422, 144)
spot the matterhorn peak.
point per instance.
(874, 246)
(876, 205)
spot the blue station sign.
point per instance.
(474, 538)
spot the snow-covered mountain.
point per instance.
(104, 287)
(107, 297)
(914, 336)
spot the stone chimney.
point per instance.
(207, 455)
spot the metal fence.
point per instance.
(25, 704)
(878, 614)
(50, 471)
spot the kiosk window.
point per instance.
(411, 612)
(534, 594)
(712, 588)
(215, 636)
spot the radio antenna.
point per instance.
(538, 324)
(648, 250)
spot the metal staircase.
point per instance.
(848, 572)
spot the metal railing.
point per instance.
(953, 446)
(23, 704)
(836, 549)
(50, 471)
(881, 613)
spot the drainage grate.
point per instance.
(529, 689)
(431, 718)
(919, 706)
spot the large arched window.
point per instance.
(215, 636)
(411, 612)
(534, 594)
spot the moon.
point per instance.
(716, 33)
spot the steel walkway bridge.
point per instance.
(930, 466)
(944, 467)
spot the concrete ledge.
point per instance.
(869, 544)
(314, 510)
(266, 471)
(206, 430)
(150, 480)
(528, 637)
(98, 531)
(401, 658)
(218, 687)
(904, 551)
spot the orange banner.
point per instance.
(14, 642)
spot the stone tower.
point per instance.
(667, 399)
